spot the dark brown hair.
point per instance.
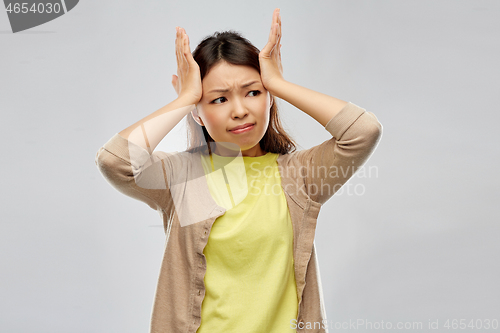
(231, 47)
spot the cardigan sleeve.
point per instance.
(131, 170)
(328, 166)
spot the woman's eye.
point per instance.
(255, 91)
(215, 100)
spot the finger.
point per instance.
(273, 21)
(279, 28)
(185, 42)
(271, 33)
(182, 48)
(179, 48)
(189, 55)
(278, 42)
(176, 45)
(187, 52)
(276, 13)
(275, 36)
(268, 48)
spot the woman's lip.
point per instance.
(242, 130)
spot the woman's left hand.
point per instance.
(271, 70)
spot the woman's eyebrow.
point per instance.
(226, 90)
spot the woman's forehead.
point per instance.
(224, 75)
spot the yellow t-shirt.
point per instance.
(250, 280)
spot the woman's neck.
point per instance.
(252, 152)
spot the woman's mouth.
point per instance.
(243, 130)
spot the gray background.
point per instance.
(421, 243)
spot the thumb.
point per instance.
(264, 53)
(174, 83)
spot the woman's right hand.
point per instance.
(187, 82)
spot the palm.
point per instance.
(271, 69)
(187, 82)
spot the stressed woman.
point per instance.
(240, 204)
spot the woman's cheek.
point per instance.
(217, 124)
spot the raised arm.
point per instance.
(355, 132)
(127, 160)
(149, 131)
(319, 106)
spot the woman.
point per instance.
(240, 205)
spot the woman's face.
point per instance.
(221, 111)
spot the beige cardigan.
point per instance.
(308, 177)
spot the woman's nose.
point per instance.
(239, 109)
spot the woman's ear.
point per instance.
(196, 117)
